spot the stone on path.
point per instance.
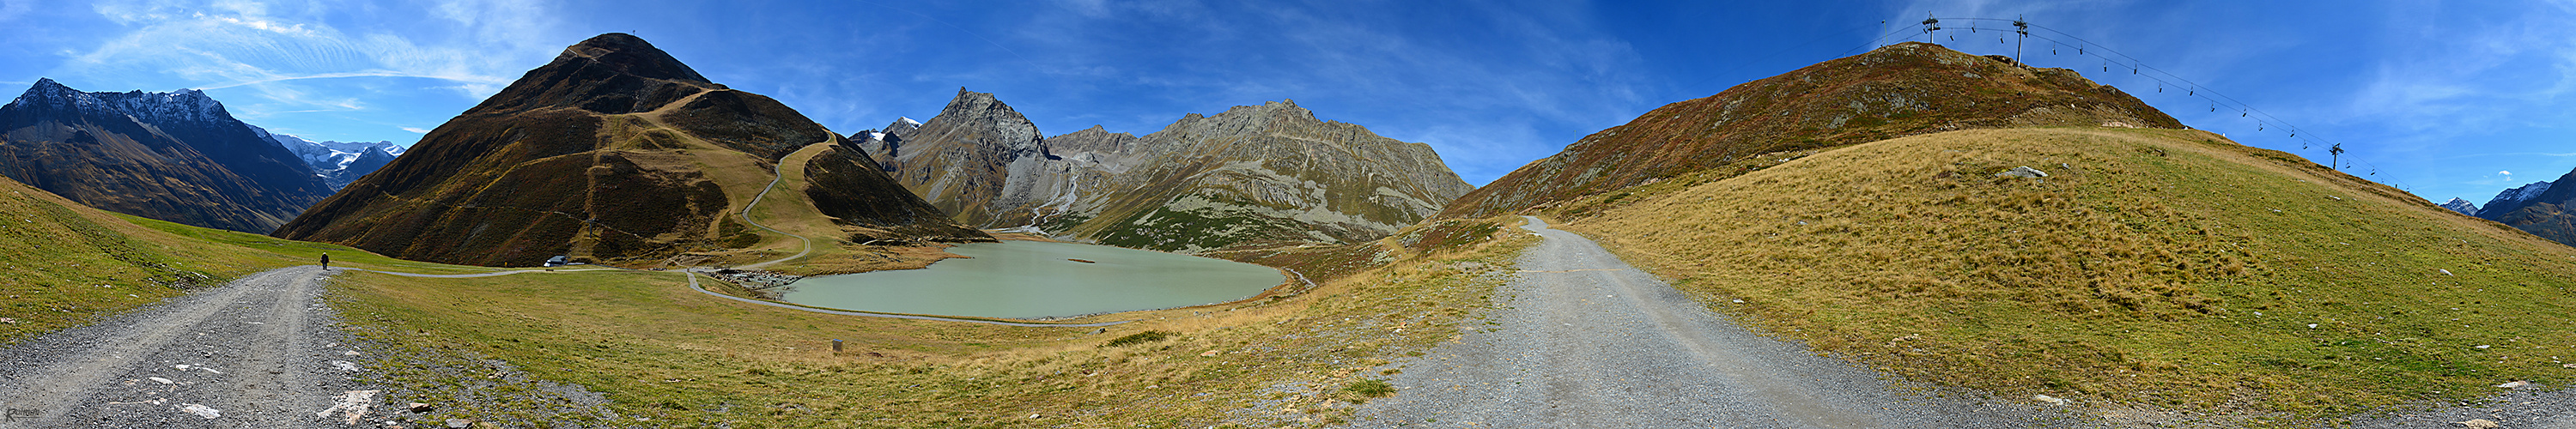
(2516, 384)
(353, 405)
(2477, 424)
(2023, 172)
(210, 413)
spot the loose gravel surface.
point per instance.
(264, 351)
(2528, 409)
(253, 353)
(1583, 340)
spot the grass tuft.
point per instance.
(1138, 338)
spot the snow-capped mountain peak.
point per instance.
(2462, 206)
(2515, 196)
(337, 162)
(906, 120)
(185, 106)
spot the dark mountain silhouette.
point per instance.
(175, 156)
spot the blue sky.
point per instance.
(2440, 98)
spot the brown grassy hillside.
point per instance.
(1899, 90)
(2162, 268)
(614, 152)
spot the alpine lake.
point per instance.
(1033, 279)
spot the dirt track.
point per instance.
(1584, 340)
(258, 352)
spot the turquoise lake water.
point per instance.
(1030, 279)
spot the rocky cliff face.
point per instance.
(612, 152)
(978, 160)
(1899, 90)
(175, 156)
(1268, 172)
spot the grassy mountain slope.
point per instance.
(68, 264)
(2162, 268)
(613, 152)
(1260, 173)
(1900, 90)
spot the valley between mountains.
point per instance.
(1907, 237)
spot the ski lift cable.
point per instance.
(2139, 67)
(2142, 66)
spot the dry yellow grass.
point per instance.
(682, 358)
(2161, 268)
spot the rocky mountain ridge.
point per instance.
(2540, 208)
(1251, 173)
(176, 156)
(2513, 199)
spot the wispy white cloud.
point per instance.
(2441, 76)
(474, 80)
(12, 9)
(416, 130)
(243, 43)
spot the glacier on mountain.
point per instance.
(337, 163)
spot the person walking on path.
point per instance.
(326, 261)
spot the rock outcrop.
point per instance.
(175, 156)
(978, 160)
(1252, 173)
(1900, 90)
(612, 152)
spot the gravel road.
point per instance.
(1584, 340)
(2549, 408)
(258, 352)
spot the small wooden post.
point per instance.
(836, 346)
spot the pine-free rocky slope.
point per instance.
(1252, 173)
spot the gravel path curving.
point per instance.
(1584, 340)
(774, 178)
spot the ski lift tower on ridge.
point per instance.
(1930, 24)
(2022, 29)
